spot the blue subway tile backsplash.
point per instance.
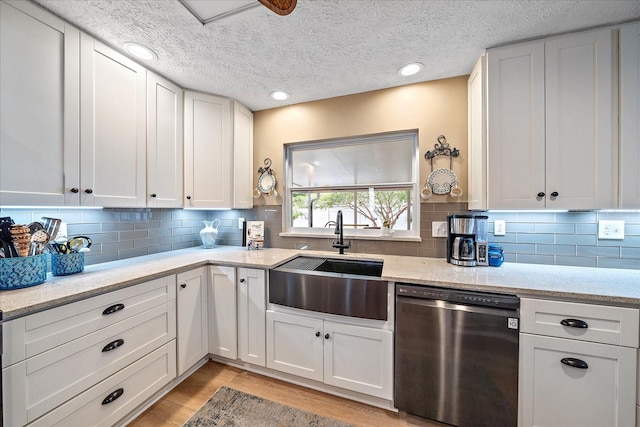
(551, 238)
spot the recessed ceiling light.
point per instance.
(140, 51)
(279, 95)
(410, 69)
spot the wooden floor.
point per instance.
(179, 404)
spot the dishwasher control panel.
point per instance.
(458, 296)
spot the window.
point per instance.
(373, 180)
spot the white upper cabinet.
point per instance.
(112, 127)
(218, 149)
(39, 75)
(516, 135)
(207, 150)
(630, 116)
(551, 137)
(477, 161)
(242, 157)
(164, 142)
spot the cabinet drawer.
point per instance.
(604, 324)
(599, 394)
(138, 382)
(47, 380)
(40, 332)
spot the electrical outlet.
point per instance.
(438, 229)
(611, 229)
(499, 227)
(240, 221)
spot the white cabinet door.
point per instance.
(39, 107)
(242, 157)
(552, 393)
(164, 142)
(551, 140)
(192, 318)
(516, 128)
(252, 306)
(295, 345)
(630, 116)
(579, 122)
(223, 329)
(112, 127)
(359, 359)
(207, 150)
(477, 158)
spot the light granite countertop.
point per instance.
(598, 285)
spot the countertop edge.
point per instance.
(589, 285)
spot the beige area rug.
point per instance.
(229, 407)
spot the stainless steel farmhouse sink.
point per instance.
(348, 287)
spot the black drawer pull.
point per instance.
(574, 363)
(112, 345)
(113, 309)
(574, 323)
(113, 396)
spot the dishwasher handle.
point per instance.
(446, 305)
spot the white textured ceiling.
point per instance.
(328, 48)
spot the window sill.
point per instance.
(353, 237)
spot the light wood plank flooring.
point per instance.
(179, 404)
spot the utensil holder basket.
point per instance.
(22, 272)
(64, 265)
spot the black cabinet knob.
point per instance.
(184, 285)
(541, 194)
(74, 190)
(326, 336)
(554, 194)
(154, 195)
(188, 197)
(241, 280)
(88, 191)
(318, 333)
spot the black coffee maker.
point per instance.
(461, 240)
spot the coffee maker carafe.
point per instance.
(461, 240)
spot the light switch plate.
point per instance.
(499, 227)
(240, 221)
(611, 229)
(438, 229)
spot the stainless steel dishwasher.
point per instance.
(456, 355)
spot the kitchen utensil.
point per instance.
(39, 241)
(79, 243)
(51, 226)
(5, 237)
(58, 248)
(21, 239)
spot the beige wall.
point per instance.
(434, 108)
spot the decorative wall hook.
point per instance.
(266, 180)
(441, 149)
(443, 180)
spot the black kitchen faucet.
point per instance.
(340, 232)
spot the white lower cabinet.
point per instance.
(568, 380)
(192, 333)
(252, 306)
(111, 400)
(60, 359)
(223, 329)
(352, 357)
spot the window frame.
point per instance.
(365, 234)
